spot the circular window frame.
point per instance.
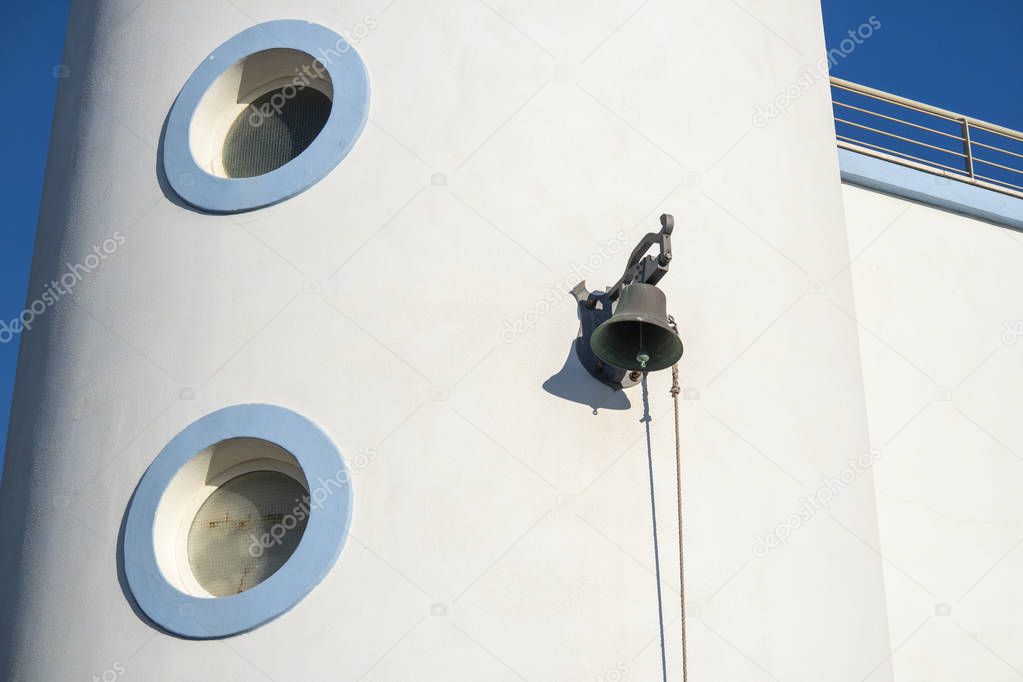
(207, 617)
(349, 113)
(177, 554)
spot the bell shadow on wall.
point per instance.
(574, 383)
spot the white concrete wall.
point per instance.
(481, 182)
(941, 314)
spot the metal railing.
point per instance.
(927, 138)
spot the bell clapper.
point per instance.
(642, 357)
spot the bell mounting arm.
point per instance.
(645, 268)
(641, 267)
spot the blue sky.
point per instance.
(31, 43)
(963, 56)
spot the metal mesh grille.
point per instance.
(273, 130)
(245, 531)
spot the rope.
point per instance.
(653, 513)
(675, 390)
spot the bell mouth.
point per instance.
(624, 340)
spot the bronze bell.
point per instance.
(638, 337)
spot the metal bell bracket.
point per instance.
(595, 307)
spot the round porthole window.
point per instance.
(226, 553)
(273, 130)
(230, 517)
(268, 114)
(224, 531)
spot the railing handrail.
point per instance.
(953, 116)
(900, 154)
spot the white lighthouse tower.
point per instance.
(311, 408)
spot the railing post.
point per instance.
(967, 147)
